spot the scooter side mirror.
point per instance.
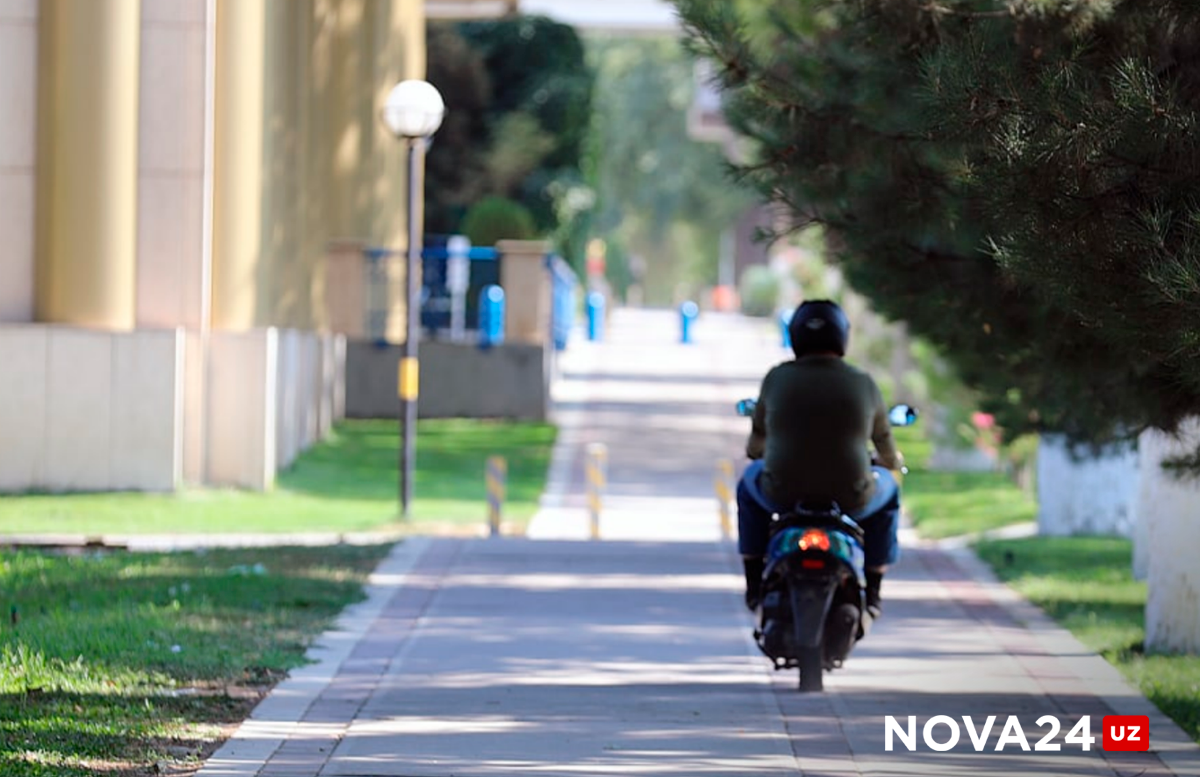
(903, 415)
(745, 408)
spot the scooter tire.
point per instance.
(811, 670)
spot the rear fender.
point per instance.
(810, 603)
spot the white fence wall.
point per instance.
(1091, 495)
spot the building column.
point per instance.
(88, 162)
(238, 139)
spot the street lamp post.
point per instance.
(413, 112)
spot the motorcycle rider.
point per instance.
(808, 441)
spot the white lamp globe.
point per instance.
(413, 109)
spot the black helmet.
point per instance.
(819, 326)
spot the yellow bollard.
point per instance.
(497, 481)
(724, 486)
(597, 479)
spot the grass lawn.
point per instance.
(347, 483)
(1085, 583)
(134, 664)
(946, 504)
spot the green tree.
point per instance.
(538, 68)
(1015, 179)
(518, 94)
(759, 290)
(493, 219)
(456, 166)
(661, 195)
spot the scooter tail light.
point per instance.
(812, 563)
(814, 539)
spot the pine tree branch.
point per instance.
(941, 10)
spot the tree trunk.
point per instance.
(1091, 495)
(1170, 510)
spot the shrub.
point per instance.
(759, 291)
(493, 219)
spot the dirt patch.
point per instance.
(183, 757)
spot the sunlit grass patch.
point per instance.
(1087, 585)
(113, 662)
(346, 484)
(947, 504)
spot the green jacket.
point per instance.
(814, 419)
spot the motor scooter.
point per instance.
(813, 610)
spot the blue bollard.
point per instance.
(785, 334)
(687, 317)
(595, 316)
(491, 316)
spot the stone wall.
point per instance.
(273, 393)
(456, 381)
(86, 410)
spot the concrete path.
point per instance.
(555, 656)
(665, 412)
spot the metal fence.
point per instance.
(454, 273)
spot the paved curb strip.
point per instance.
(1174, 748)
(167, 543)
(1061, 665)
(282, 723)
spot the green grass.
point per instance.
(348, 483)
(1085, 584)
(947, 504)
(119, 661)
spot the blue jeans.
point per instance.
(879, 518)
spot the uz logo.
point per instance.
(1126, 732)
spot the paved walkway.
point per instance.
(555, 656)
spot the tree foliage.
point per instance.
(759, 291)
(493, 219)
(1016, 179)
(456, 165)
(518, 94)
(661, 195)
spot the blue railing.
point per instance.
(564, 283)
(437, 297)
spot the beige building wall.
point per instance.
(356, 188)
(152, 152)
(327, 171)
(18, 156)
(171, 157)
(295, 183)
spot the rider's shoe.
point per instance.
(874, 600)
(753, 567)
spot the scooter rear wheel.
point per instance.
(810, 659)
(811, 677)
